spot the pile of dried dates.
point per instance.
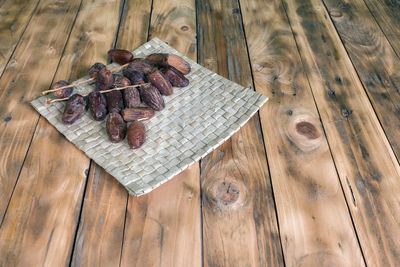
(158, 74)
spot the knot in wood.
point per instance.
(307, 129)
(184, 28)
(336, 13)
(225, 193)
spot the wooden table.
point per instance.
(312, 180)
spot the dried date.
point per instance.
(160, 82)
(97, 105)
(95, 69)
(104, 80)
(120, 81)
(66, 92)
(137, 114)
(136, 134)
(114, 101)
(175, 77)
(165, 60)
(141, 65)
(116, 127)
(152, 97)
(74, 109)
(120, 56)
(134, 76)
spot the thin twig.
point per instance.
(49, 101)
(82, 82)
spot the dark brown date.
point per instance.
(120, 81)
(74, 109)
(120, 56)
(134, 76)
(136, 134)
(175, 77)
(137, 114)
(114, 101)
(160, 82)
(66, 92)
(152, 97)
(95, 69)
(141, 65)
(104, 80)
(116, 127)
(175, 61)
(131, 97)
(97, 105)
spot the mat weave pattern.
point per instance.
(196, 120)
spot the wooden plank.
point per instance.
(367, 167)
(386, 13)
(105, 201)
(374, 59)
(42, 233)
(31, 70)
(163, 227)
(315, 226)
(239, 219)
(14, 16)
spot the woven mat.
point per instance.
(196, 120)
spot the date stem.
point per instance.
(49, 101)
(82, 82)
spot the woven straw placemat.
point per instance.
(196, 120)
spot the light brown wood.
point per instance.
(367, 167)
(101, 227)
(387, 15)
(315, 226)
(104, 208)
(40, 223)
(163, 227)
(66, 192)
(374, 59)
(14, 16)
(239, 219)
(22, 81)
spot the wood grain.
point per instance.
(163, 227)
(31, 70)
(39, 227)
(14, 16)
(386, 13)
(367, 167)
(315, 226)
(239, 220)
(374, 59)
(91, 33)
(100, 236)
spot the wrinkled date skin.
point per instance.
(134, 76)
(152, 97)
(136, 134)
(137, 114)
(104, 80)
(116, 127)
(120, 56)
(131, 97)
(160, 82)
(141, 65)
(120, 81)
(74, 109)
(66, 92)
(175, 77)
(97, 105)
(175, 61)
(114, 101)
(95, 69)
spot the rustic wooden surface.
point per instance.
(312, 180)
